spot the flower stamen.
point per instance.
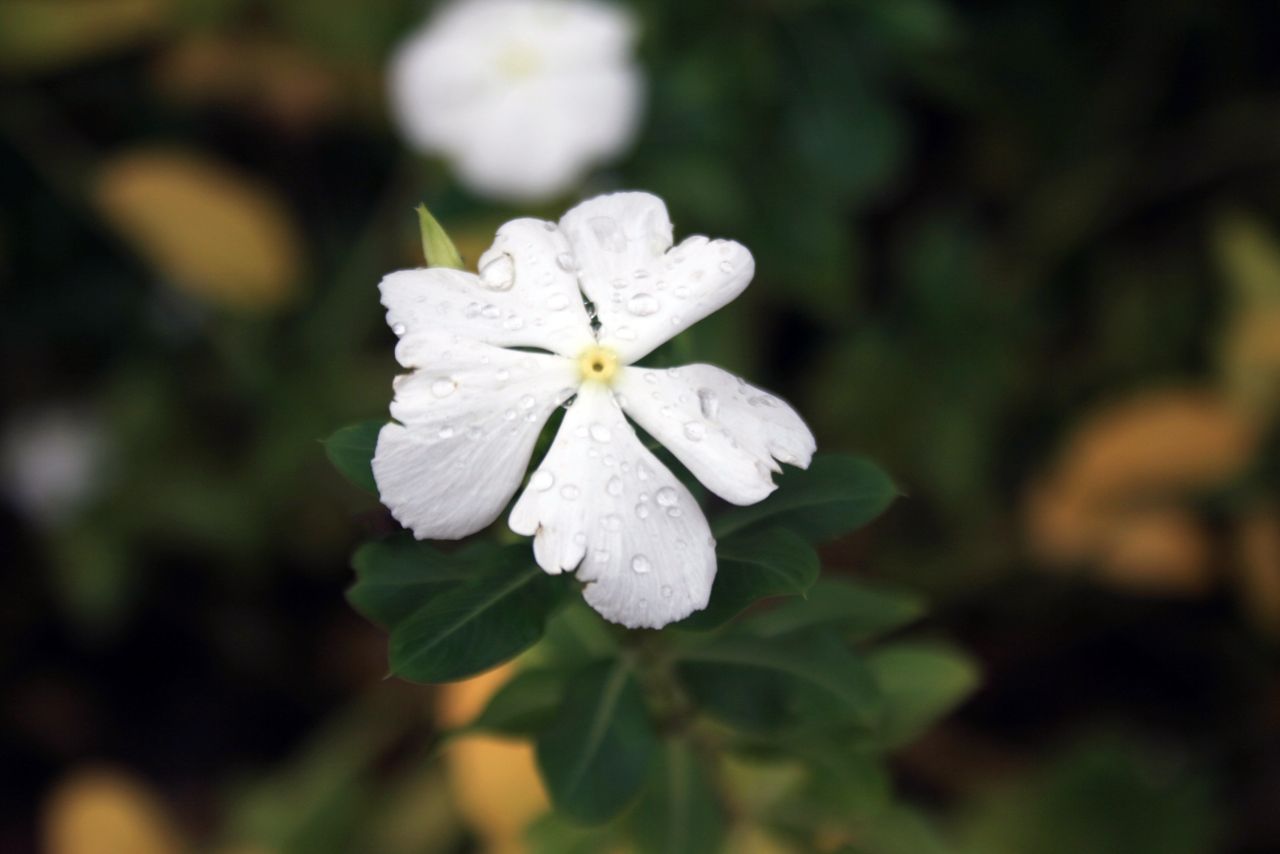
(598, 363)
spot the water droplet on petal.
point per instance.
(509, 415)
(399, 329)
(667, 592)
(443, 387)
(542, 480)
(651, 378)
(709, 403)
(641, 564)
(601, 433)
(667, 497)
(675, 512)
(490, 311)
(726, 267)
(446, 432)
(499, 274)
(643, 305)
(614, 486)
(558, 302)
(471, 310)
(512, 323)
(612, 522)
(643, 471)
(642, 511)
(681, 292)
(569, 492)
(601, 556)
(695, 431)
(528, 402)
(566, 262)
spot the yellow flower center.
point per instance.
(598, 363)
(518, 61)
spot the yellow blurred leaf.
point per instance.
(1249, 352)
(495, 781)
(1250, 259)
(100, 811)
(273, 79)
(210, 231)
(36, 35)
(1259, 566)
(1116, 498)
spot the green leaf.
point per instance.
(351, 452)
(679, 813)
(524, 705)
(437, 248)
(835, 495)
(920, 682)
(753, 566)
(773, 686)
(472, 627)
(859, 612)
(596, 757)
(396, 576)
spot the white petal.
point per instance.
(727, 432)
(601, 502)
(522, 95)
(644, 291)
(525, 296)
(467, 429)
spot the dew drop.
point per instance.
(675, 512)
(667, 497)
(667, 592)
(446, 432)
(642, 511)
(528, 402)
(681, 292)
(640, 565)
(643, 305)
(612, 522)
(443, 387)
(643, 471)
(601, 433)
(558, 302)
(399, 329)
(601, 556)
(614, 486)
(512, 323)
(695, 431)
(709, 403)
(542, 480)
(569, 492)
(490, 311)
(651, 378)
(499, 274)
(726, 267)
(509, 415)
(471, 310)
(566, 262)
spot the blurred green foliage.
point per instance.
(975, 225)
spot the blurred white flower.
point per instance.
(472, 408)
(51, 463)
(521, 96)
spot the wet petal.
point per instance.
(600, 502)
(727, 432)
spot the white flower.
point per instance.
(522, 96)
(599, 502)
(51, 463)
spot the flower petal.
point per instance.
(601, 502)
(644, 291)
(526, 295)
(466, 433)
(727, 432)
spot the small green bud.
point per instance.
(436, 245)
